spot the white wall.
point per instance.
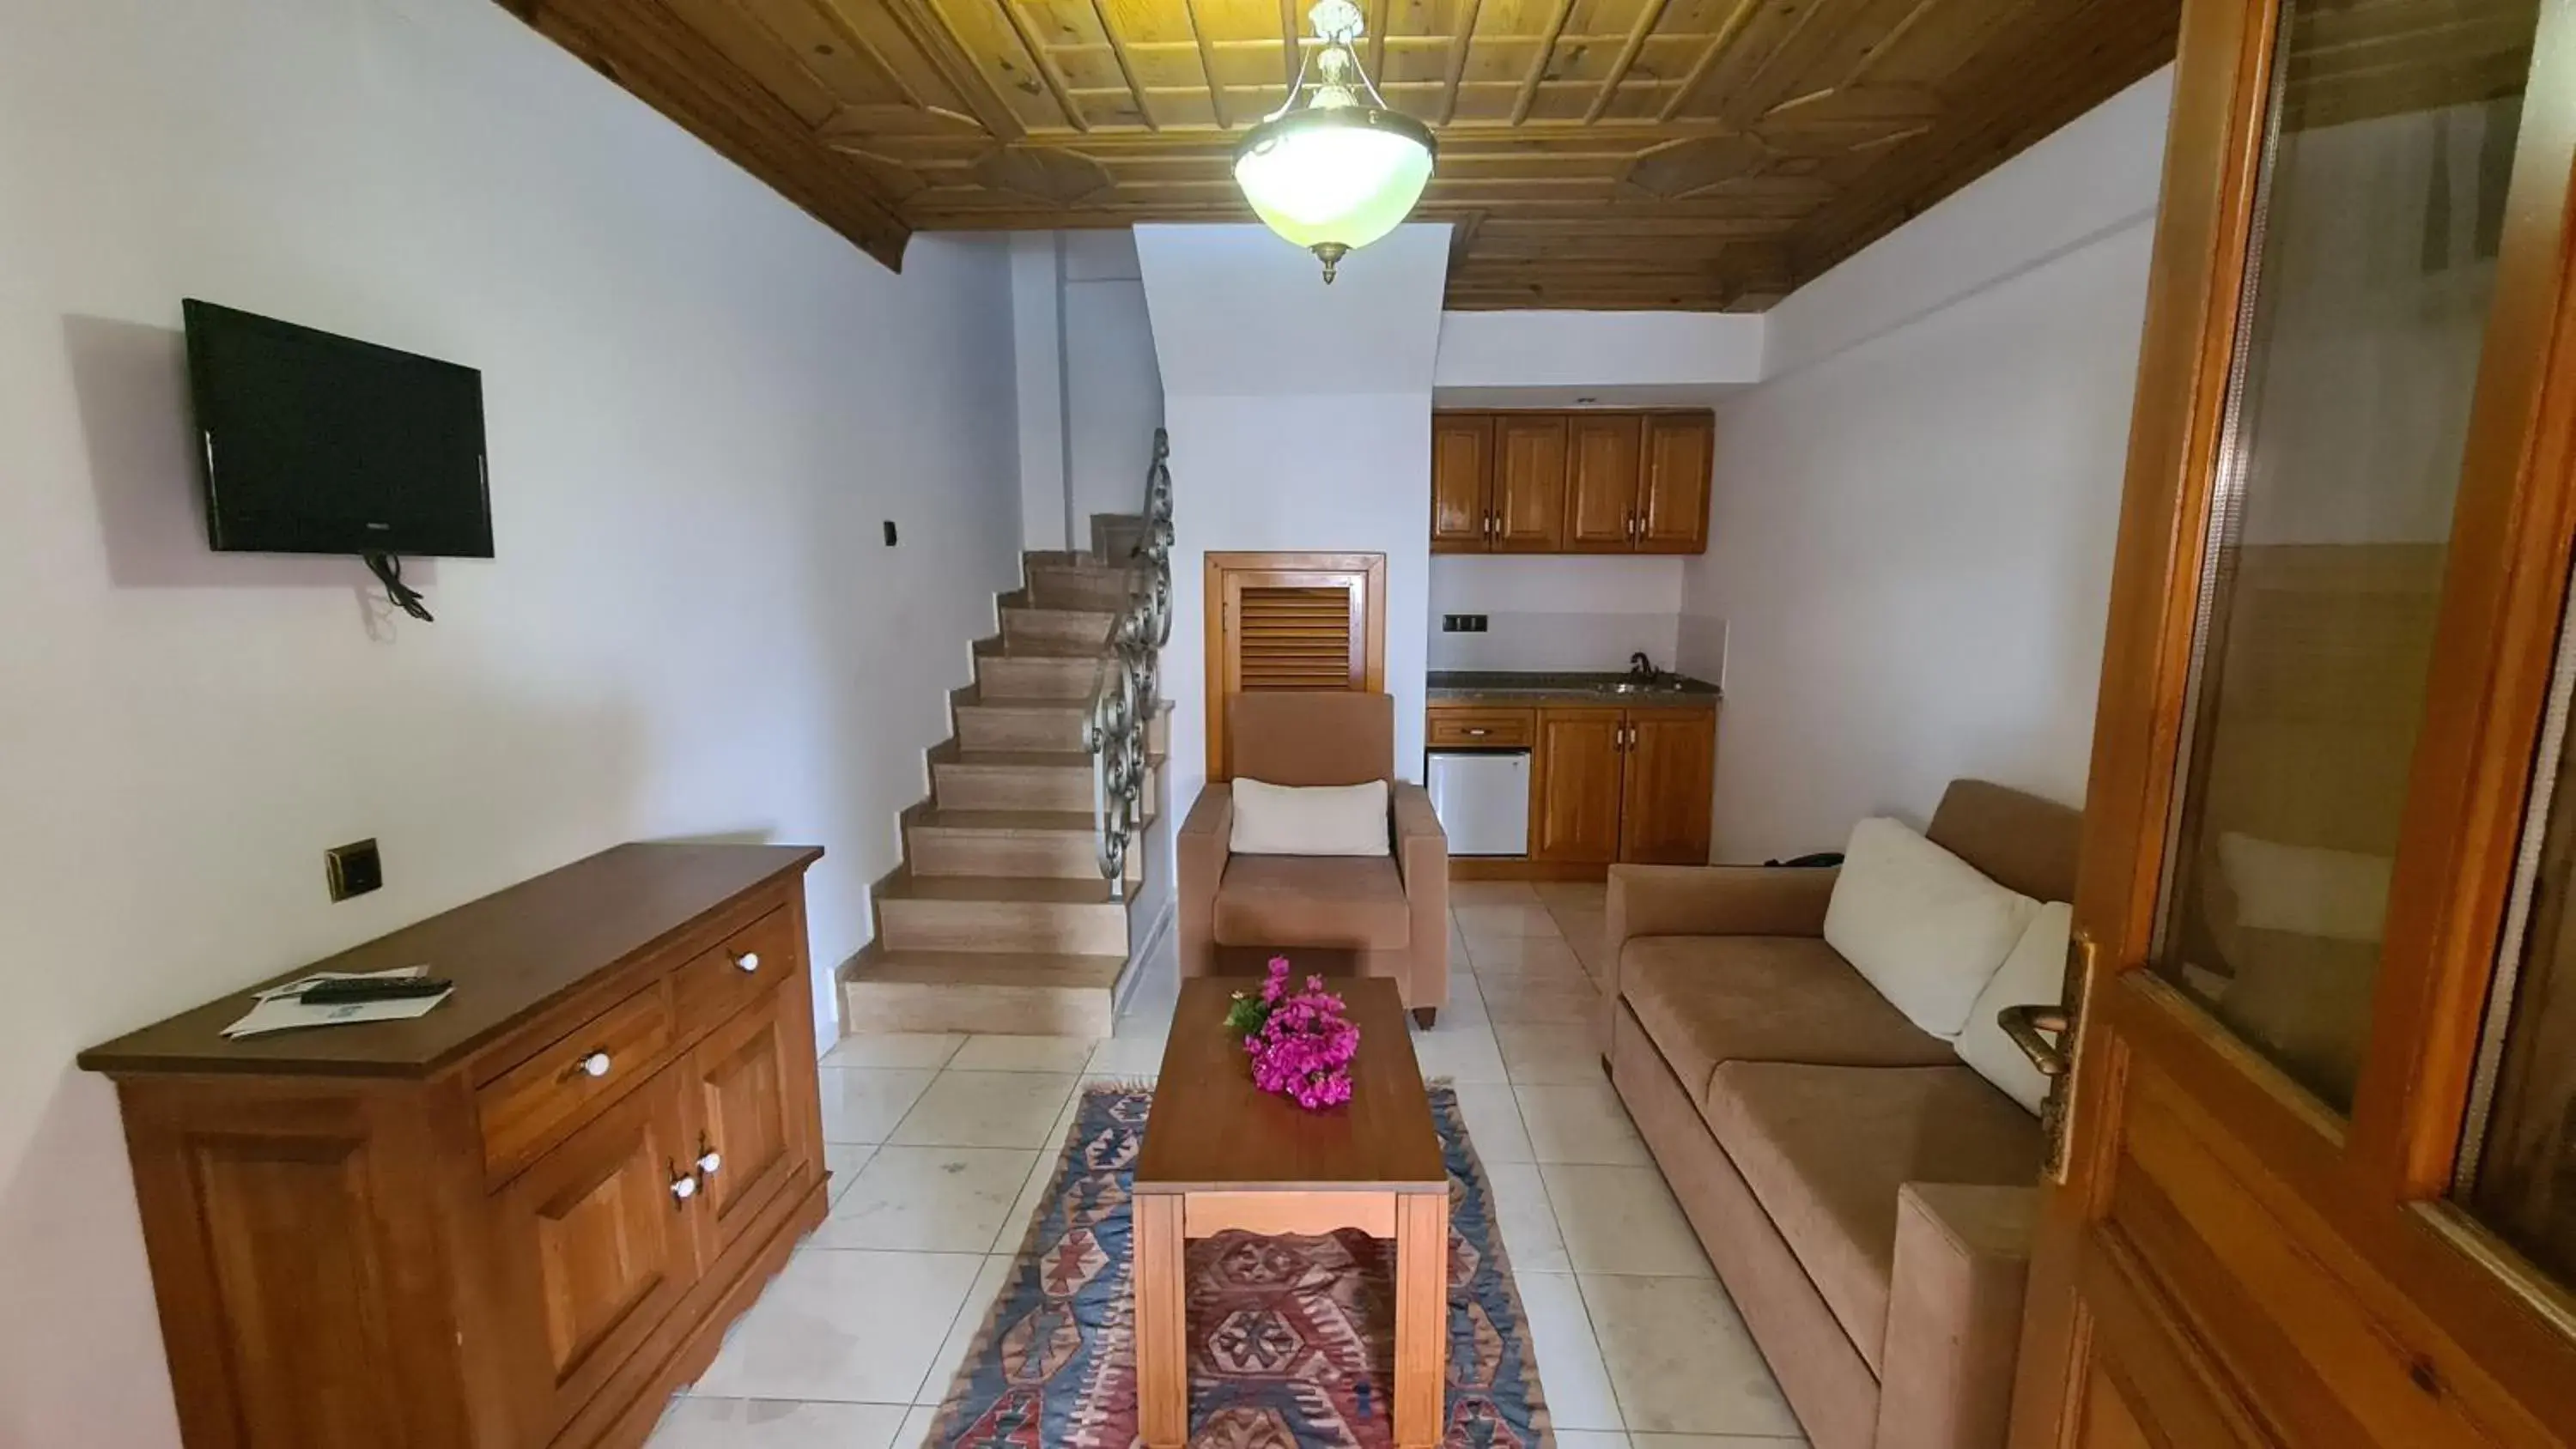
(1037, 336)
(1114, 388)
(1552, 612)
(1090, 393)
(701, 403)
(1911, 534)
(1547, 359)
(1300, 418)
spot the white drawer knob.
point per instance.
(748, 960)
(708, 1162)
(684, 1188)
(595, 1065)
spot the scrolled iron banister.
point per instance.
(1126, 685)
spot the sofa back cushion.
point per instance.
(2019, 841)
(1309, 819)
(2034, 974)
(1921, 924)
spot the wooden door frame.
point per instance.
(1370, 625)
(2365, 1199)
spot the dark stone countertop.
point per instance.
(1678, 691)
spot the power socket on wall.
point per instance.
(353, 870)
(1462, 623)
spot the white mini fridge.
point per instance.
(1482, 799)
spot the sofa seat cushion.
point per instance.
(1826, 1148)
(1710, 999)
(1352, 903)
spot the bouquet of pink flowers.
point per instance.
(1300, 1043)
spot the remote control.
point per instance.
(397, 988)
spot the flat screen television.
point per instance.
(320, 444)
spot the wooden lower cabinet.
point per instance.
(517, 1222)
(751, 1098)
(1607, 784)
(1667, 778)
(1574, 786)
(594, 1251)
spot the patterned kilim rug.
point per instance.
(1292, 1340)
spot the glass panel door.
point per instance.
(2391, 139)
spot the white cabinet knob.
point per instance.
(595, 1065)
(684, 1188)
(748, 960)
(708, 1162)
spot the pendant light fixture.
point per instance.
(1340, 171)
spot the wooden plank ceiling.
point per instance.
(1699, 154)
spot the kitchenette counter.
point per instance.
(1507, 688)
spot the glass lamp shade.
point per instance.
(1332, 178)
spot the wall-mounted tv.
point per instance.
(320, 444)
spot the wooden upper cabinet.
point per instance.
(1587, 481)
(1669, 781)
(1673, 488)
(1462, 469)
(1574, 788)
(1601, 481)
(1529, 483)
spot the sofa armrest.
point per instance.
(1954, 1315)
(1206, 839)
(1422, 858)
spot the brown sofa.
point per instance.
(1866, 1198)
(1356, 915)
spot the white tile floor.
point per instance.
(940, 1145)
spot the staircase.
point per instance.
(1000, 919)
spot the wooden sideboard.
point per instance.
(518, 1221)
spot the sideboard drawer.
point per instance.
(525, 1109)
(710, 986)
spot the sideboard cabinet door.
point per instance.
(598, 1243)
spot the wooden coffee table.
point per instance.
(1220, 1153)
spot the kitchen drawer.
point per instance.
(713, 984)
(529, 1107)
(1478, 728)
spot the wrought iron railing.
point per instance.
(1125, 691)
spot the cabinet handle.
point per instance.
(748, 961)
(1480, 734)
(683, 1187)
(594, 1065)
(708, 1162)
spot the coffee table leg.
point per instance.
(1421, 1318)
(1162, 1356)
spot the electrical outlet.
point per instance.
(353, 870)
(1462, 623)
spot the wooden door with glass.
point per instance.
(2317, 1170)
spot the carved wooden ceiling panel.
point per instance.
(1701, 154)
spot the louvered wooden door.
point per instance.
(1291, 621)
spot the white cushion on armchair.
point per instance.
(1310, 819)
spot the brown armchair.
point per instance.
(1364, 915)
